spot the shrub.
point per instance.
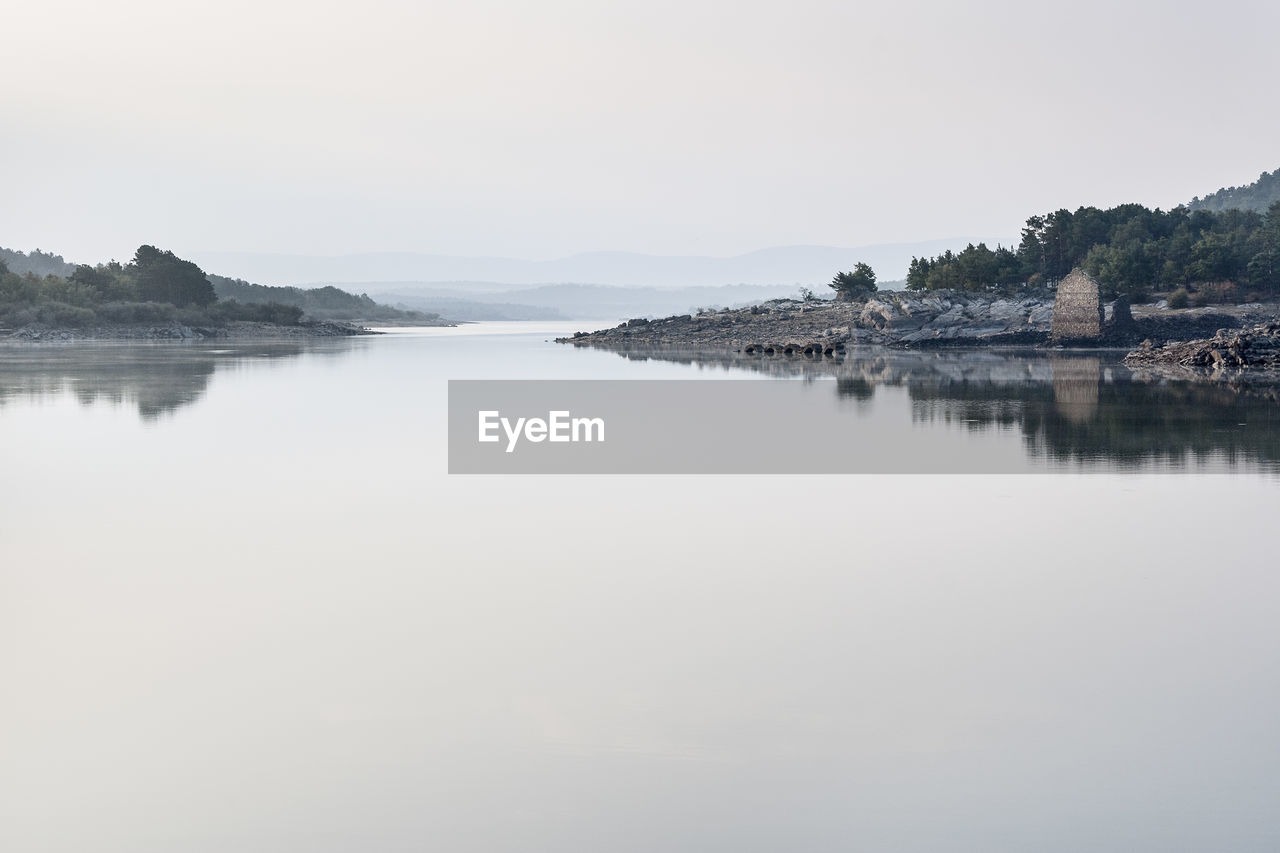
(1217, 293)
(857, 283)
(1179, 298)
(136, 312)
(260, 312)
(17, 317)
(62, 314)
(193, 316)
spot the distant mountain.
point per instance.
(469, 310)
(491, 301)
(1259, 196)
(812, 266)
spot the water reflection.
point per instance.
(1075, 387)
(1069, 407)
(157, 378)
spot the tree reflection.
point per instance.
(157, 379)
(1069, 407)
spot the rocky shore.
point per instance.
(785, 327)
(239, 330)
(1257, 346)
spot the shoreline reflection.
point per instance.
(158, 378)
(1070, 408)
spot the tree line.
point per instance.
(1257, 196)
(321, 303)
(1131, 249)
(157, 286)
(35, 261)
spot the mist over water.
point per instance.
(243, 607)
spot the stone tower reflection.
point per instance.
(1075, 387)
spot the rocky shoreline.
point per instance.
(239, 330)
(788, 327)
(1228, 350)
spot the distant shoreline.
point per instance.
(234, 331)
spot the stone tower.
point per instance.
(1077, 310)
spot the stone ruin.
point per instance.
(1121, 314)
(1077, 309)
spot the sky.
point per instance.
(542, 129)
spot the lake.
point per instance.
(244, 607)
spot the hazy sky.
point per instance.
(535, 129)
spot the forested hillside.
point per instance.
(321, 303)
(1130, 249)
(157, 286)
(35, 262)
(1257, 196)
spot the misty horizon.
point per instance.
(707, 128)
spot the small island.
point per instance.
(159, 296)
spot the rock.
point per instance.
(886, 317)
(1121, 317)
(1257, 347)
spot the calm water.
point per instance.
(242, 607)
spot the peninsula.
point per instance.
(159, 296)
(1124, 277)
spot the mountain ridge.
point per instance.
(808, 265)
